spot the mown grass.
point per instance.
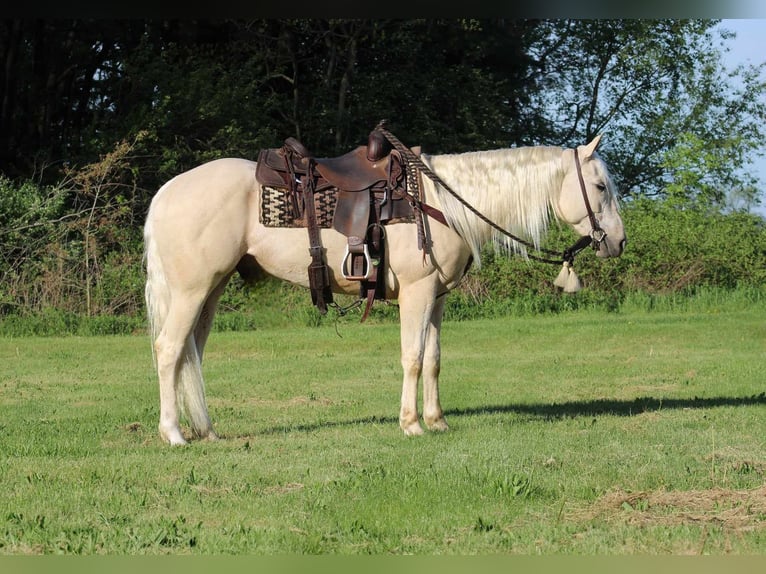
(580, 433)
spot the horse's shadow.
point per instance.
(551, 411)
(614, 407)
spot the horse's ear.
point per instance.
(590, 148)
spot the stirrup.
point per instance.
(367, 265)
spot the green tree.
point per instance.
(676, 122)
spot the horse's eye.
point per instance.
(601, 187)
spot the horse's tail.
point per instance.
(190, 391)
(156, 292)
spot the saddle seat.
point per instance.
(357, 170)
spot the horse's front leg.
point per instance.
(432, 410)
(416, 304)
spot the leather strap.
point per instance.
(592, 216)
(319, 280)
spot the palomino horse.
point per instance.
(204, 222)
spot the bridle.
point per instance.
(595, 238)
(597, 234)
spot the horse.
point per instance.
(203, 226)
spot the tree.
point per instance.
(677, 126)
(677, 123)
(55, 87)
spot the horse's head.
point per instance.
(588, 201)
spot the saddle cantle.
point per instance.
(365, 189)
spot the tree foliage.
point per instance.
(676, 121)
(208, 88)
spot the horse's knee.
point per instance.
(412, 365)
(168, 354)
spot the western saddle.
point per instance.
(371, 186)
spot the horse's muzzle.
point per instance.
(611, 248)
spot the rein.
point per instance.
(595, 238)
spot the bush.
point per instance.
(56, 322)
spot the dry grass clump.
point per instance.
(737, 510)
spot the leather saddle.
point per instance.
(370, 188)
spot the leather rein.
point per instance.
(596, 236)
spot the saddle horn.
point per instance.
(378, 146)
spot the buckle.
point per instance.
(597, 235)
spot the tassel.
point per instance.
(573, 282)
(561, 280)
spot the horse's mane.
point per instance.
(513, 187)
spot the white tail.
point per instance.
(156, 292)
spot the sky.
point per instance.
(749, 47)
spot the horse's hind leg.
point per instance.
(205, 321)
(179, 370)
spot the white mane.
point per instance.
(515, 188)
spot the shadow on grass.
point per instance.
(623, 408)
(552, 411)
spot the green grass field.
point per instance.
(583, 433)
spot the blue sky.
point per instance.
(749, 47)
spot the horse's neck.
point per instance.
(515, 188)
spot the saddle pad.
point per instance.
(277, 208)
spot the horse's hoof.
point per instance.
(178, 441)
(413, 429)
(439, 425)
(207, 434)
(173, 436)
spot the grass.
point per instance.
(583, 433)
